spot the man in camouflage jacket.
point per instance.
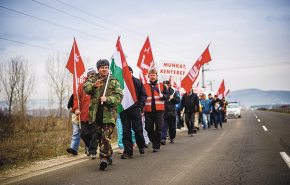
(102, 117)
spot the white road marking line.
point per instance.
(286, 158)
(265, 128)
(259, 120)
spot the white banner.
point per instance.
(172, 68)
(198, 90)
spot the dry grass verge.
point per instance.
(34, 139)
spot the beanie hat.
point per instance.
(91, 71)
(102, 62)
(130, 69)
(166, 82)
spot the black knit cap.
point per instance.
(103, 62)
(166, 82)
(130, 68)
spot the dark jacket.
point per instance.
(190, 103)
(170, 105)
(140, 94)
(216, 104)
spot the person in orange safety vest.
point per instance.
(154, 108)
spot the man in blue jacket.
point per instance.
(206, 110)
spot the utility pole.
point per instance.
(202, 72)
(210, 84)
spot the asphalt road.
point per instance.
(242, 152)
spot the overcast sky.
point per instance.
(250, 45)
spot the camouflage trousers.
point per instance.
(104, 133)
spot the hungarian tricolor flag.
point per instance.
(121, 72)
(222, 89)
(76, 66)
(193, 73)
(145, 61)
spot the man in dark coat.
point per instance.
(190, 102)
(132, 118)
(170, 114)
(217, 105)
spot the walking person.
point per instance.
(170, 114)
(145, 134)
(154, 108)
(81, 108)
(190, 102)
(206, 110)
(132, 119)
(224, 110)
(211, 114)
(179, 119)
(103, 108)
(217, 104)
(75, 142)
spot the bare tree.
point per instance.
(25, 85)
(59, 78)
(9, 79)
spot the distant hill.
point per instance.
(259, 97)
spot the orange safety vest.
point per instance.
(159, 103)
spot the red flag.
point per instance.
(174, 84)
(170, 77)
(227, 92)
(221, 89)
(193, 73)
(197, 84)
(145, 61)
(76, 66)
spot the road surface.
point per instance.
(248, 150)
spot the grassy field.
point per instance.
(34, 139)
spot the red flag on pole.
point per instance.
(173, 83)
(76, 66)
(145, 61)
(193, 73)
(227, 92)
(197, 84)
(221, 89)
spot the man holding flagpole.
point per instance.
(106, 94)
(154, 108)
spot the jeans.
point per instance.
(119, 127)
(206, 120)
(75, 142)
(171, 124)
(217, 118)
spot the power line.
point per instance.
(33, 45)
(99, 18)
(53, 23)
(116, 25)
(81, 19)
(19, 42)
(70, 28)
